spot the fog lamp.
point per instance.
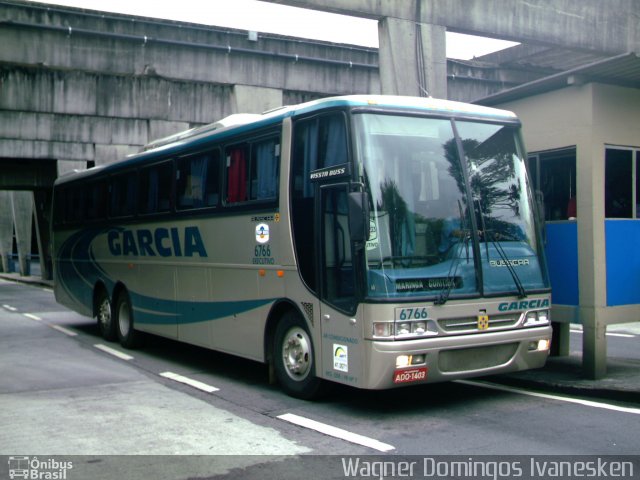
(417, 359)
(539, 345)
(403, 361)
(544, 344)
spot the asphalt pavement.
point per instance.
(560, 374)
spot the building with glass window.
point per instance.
(582, 131)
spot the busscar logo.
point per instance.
(35, 468)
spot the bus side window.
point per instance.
(123, 195)
(155, 188)
(264, 169)
(96, 201)
(197, 183)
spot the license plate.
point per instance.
(410, 375)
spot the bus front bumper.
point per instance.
(439, 359)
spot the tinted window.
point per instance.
(197, 181)
(155, 188)
(123, 195)
(252, 171)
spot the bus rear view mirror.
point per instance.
(358, 217)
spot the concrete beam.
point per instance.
(162, 52)
(610, 27)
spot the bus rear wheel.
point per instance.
(293, 358)
(104, 316)
(127, 335)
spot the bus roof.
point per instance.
(240, 123)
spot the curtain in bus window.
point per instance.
(237, 176)
(336, 142)
(267, 169)
(196, 180)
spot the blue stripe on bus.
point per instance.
(150, 310)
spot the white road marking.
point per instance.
(336, 432)
(189, 381)
(32, 317)
(10, 308)
(113, 351)
(611, 334)
(66, 331)
(588, 403)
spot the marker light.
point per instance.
(382, 329)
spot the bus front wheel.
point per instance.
(124, 322)
(293, 358)
(104, 317)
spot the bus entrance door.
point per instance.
(338, 287)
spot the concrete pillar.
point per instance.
(6, 231)
(247, 99)
(22, 205)
(594, 348)
(42, 217)
(412, 58)
(592, 263)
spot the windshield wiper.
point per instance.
(516, 279)
(451, 277)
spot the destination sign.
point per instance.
(327, 173)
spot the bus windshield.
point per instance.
(451, 211)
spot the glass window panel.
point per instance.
(618, 183)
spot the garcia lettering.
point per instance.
(524, 304)
(162, 242)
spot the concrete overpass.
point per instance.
(412, 32)
(81, 88)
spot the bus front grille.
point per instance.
(470, 324)
(476, 358)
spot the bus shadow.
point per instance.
(230, 368)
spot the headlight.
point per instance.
(403, 328)
(537, 318)
(419, 328)
(382, 329)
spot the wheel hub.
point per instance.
(296, 353)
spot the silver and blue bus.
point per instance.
(373, 241)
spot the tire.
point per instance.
(104, 316)
(127, 334)
(294, 359)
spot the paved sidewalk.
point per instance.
(564, 375)
(560, 374)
